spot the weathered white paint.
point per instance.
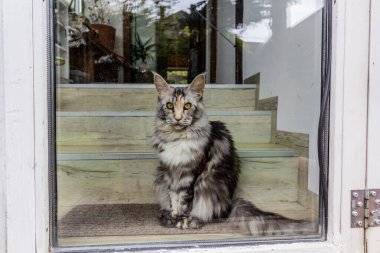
(3, 199)
(373, 156)
(19, 125)
(23, 156)
(336, 127)
(318, 247)
(355, 78)
(40, 85)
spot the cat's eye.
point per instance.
(187, 106)
(169, 105)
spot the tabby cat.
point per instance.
(199, 167)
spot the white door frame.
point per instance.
(24, 218)
(372, 234)
(23, 119)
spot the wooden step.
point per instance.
(107, 129)
(143, 97)
(130, 152)
(263, 180)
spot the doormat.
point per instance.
(127, 219)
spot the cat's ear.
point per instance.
(197, 85)
(162, 87)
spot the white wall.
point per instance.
(289, 64)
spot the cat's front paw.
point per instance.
(195, 223)
(183, 223)
(166, 219)
(189, 223)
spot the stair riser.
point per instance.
(132, 181)
(120, 131)
(81, 99)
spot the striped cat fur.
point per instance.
(199, 168)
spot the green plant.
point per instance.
(142, 50)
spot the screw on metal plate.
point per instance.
(373, 205)
(365, 208)
(357, 208)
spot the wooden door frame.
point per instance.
(372, 234)
(348, 128)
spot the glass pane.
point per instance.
(133, 145)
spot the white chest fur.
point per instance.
(182, 151)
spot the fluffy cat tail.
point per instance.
(257, 222)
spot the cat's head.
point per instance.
(180, 106)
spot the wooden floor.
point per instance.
(121, 238)
(291, 208)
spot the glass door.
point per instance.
(263, 64)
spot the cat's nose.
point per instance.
(177, 115)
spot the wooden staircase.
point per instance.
(104, 154)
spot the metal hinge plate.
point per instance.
(365, 208)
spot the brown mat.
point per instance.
(125, 219)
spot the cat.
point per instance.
(199, 167)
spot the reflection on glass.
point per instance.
(262, 60)
(300, 10)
